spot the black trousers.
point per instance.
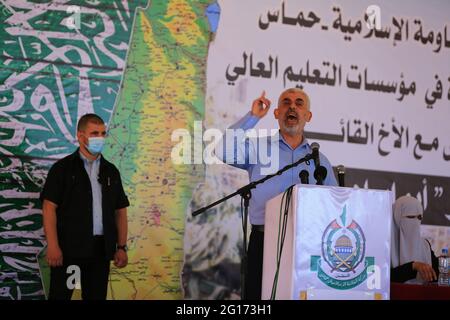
(94, 274)
(253, 276)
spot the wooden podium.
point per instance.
(336, 244)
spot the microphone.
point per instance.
(304, 176)
(315, 153)
(320, 172)
(341, 175)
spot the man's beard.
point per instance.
(291, 130)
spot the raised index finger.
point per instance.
(263, 94)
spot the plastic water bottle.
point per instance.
(443, 268)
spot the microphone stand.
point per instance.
(246, 193)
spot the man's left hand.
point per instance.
(120, 258)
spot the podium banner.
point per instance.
(342, 243)
(336, 244)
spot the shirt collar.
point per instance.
(305, 144)
(86, 160)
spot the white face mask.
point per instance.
(95, 145)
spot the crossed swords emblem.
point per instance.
(343, 261)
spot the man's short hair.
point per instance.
(89, 118)
(296, 90)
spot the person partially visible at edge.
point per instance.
(84, 216)
(412, 259)
(292, 113)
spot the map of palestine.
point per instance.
(141, 65)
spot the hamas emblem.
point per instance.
(342, 264)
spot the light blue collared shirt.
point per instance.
(241, 154)
(93, 169)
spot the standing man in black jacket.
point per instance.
(85, 216)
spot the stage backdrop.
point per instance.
(380, 97)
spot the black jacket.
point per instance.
(405, 271)
(68, 186)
